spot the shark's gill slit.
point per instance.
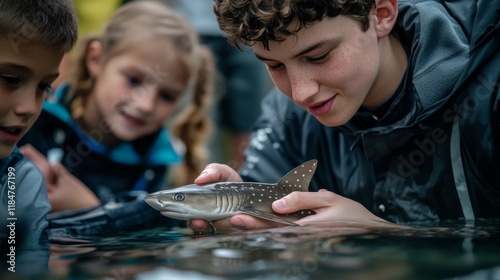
(225, 203)
(219, 203)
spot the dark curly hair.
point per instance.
(246, 22)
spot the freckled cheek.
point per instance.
(346, 73)
(334, 77)
(366, 72)
(282, 82)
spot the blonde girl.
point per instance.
(133, 109)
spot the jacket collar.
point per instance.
(437, 59)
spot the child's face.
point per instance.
(330, 68)
(26, 72)
(136, 91)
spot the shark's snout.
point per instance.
(153, 201)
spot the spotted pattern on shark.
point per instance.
(224, 199)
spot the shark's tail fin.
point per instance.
(299, 178)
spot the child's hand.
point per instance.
(41, 162)
(212, 173)
(328, 207)
(216, 172)
(65, 191)
(69, 193)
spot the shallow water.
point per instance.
(321, 251)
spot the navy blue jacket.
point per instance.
(432, 154)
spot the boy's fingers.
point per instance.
(215, 172)
(303, 200)
(198, 225)
(249, 222)
(225, 224)
(241, 221)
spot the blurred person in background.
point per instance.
(113, 122)
(240, 86)
(92, 16)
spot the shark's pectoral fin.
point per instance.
(266, 216)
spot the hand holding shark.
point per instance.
(225, 199)
(326, 205)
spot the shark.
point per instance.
(224, 199)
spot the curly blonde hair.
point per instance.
(155, 21)
(246, 22)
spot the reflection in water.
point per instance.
(321, 251)
(22, 254)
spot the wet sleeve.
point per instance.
(32, 203)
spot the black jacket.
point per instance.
(433, 154)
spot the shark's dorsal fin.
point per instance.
(299, 178)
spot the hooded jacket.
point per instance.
(431, 153)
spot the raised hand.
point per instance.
(64, 190)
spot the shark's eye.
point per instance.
(179, 197)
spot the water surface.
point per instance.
(321, 251)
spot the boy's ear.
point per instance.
(93, 57)
(386, 13)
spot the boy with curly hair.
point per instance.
(398, 100)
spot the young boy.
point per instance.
(398, 101)
(34, 35)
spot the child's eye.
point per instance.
(167, 97)
(274, 67)
(133, 81)
(45, 88)
(11, 81)
(319, 59)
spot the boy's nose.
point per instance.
(28, 104)
(303, 85)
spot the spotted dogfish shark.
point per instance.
(225, 199)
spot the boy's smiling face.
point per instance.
(26, 73)
(333, 67)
